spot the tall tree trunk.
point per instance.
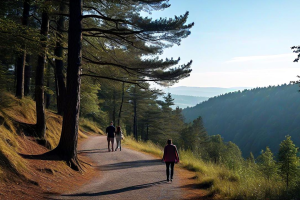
(67, 147)
(142, 131)
(114, 106)
(48, 96)
(27, 76)
(22, 58)
(59, 63)
(147, 136)
(20, 75)
(120, 111)
(135, 116)
(39, 79)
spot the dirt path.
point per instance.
(125, 174)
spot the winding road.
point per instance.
(125, 174)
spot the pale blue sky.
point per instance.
(237, 42)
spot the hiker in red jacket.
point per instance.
(170, 157)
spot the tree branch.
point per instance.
(114, 79)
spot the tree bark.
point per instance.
(114, 106)
(20, 75)
(27, 76)
(147, 136)
(20, 68)
(47, 95)
(135, 116)
(67, 147)
(120, 111)
(59, 63)
(39, 80)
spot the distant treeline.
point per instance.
(183, 101)
(252, 119)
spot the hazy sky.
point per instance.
(238, 42)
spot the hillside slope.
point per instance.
(23, 177)
(253, 119)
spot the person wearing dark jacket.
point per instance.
(170, 157)
(110, 131)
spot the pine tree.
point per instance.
(169, 101)
(267, 164)
(67, 147)
(288, 160)
(119, 33)
(231, 156)
(59, 60)
(215, 148)
(39, 79)
(21, 61)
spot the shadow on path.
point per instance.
(198, 185)
(93, 151)
(130, 164)
(135, 187)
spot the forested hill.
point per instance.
(253, 119)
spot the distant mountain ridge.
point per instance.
(183, 101)
(253, 119)
(185, 96)
(201, 91)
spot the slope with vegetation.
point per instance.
(23, 175)
(232, 177)
(73, 49)
(96, 70)
(85, 59)
(252, 119)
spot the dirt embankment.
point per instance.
(42, 177)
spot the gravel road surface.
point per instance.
(125, 174)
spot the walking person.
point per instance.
(118, 137)
(110, 131)
(170, 157)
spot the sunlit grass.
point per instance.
(14, 111)
(148, 147)
(10, 160)
(89, 126)
(53, 131)
(246, 183)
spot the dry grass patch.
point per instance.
(148, 147)
(13, 112)
(90, 127)
(30, 178)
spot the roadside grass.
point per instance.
(90, 127)
(244, 183)
(148, 147)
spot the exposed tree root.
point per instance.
(74, 163)
(81, 161)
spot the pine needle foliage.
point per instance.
(288, 160)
